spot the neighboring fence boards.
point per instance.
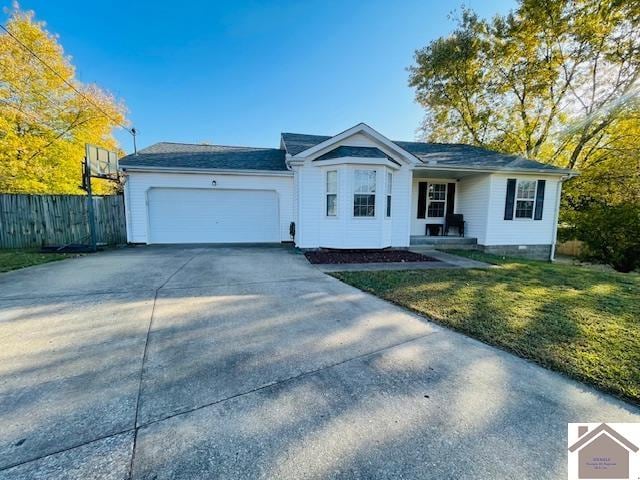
(38, 220)
(572, 248)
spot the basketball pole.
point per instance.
(90, 214)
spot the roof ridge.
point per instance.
(307, 134)
(450, 144)
(408, 141)
(211, 145)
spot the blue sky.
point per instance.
(241, 72)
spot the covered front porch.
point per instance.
(447, 207)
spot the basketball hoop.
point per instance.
(98, 163)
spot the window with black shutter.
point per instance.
(422, 199)
(511, 195)
(525, 199)
(539, 200)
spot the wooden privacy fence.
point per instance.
(573, 248)
(36, 220)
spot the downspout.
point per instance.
(556, 214)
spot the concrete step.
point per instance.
(440, 248)
(442, 241)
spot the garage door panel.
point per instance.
(212, 216)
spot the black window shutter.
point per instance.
(511, 196)
(539, 200)
(451, 195)
(422, 199)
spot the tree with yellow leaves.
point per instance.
(44, 123)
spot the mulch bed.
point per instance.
(365, 256)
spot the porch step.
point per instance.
(442, 241)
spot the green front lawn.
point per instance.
(576, 320)
(14, 259)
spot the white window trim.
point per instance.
(446, 193)
(388, 199)
(354, 193)
(327, 193)
(534, 200)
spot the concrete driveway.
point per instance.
(157, 363)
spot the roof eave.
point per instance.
(153, 169)
(558, 172)
(351, 160)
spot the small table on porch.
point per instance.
(433, 229)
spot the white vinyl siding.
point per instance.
(519, 231)
(472, 200)
(400, 228)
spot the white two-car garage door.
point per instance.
(185, 215)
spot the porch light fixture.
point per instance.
(213, 183)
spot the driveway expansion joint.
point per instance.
(235, 284)
(74, 295)
(66, 449)
(144, 359)
(287, 380)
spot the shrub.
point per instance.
(611, 233)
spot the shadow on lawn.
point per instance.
(576, 321)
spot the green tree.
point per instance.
(44, 123)
(549, 80)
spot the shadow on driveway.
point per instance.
(257, 365)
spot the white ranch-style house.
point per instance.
(353, 190)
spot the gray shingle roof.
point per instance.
(294, 143)
(182, 155)
(446, 154)
(345, 151)
(198, 156)
(469, 156)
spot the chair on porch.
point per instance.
(454, 220)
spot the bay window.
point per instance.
(364, 196)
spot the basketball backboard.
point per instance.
(102, 163)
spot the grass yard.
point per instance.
(576, 320)
(14, 259)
